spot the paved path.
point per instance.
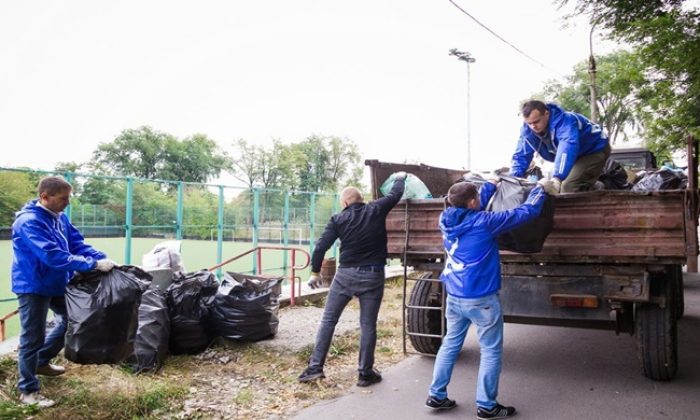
(548, 373)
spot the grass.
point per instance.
(89, 392)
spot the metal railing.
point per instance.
(258, 250)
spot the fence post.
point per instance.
(220, 232)
(180, 211)
(312, 224)
(67, 211)
(336, 200)
(256, 221)
(285, 231)
(128, 219)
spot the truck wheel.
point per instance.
(657, 336)
(425, 321)
(680, 294)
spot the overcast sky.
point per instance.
(76, 73)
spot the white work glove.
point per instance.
(315, 281)
(105, 265)
(400, 176)
(550, 186)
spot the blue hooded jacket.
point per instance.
(47, 250)
(473, 267)
(572, 134)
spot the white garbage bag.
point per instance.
(165, 255)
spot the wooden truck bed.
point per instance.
(596, 227)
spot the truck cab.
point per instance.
(635, 158)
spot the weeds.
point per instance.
(244, 397)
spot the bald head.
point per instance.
(350, 195)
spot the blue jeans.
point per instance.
(485, 313)
(36, 348)
(368, 286)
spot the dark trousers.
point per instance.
(36, 348)
(368, 286)
(586, 171)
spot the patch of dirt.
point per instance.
(259, 381)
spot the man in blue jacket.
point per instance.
(47, 250)
(472, 278)
(361, 229)
(578, 147)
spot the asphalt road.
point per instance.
(548, 373)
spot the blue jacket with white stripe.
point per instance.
(473, 266)
(572, 135)
(47, 250)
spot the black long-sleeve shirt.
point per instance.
(361, 228)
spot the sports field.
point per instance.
(196, 255)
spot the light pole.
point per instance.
(467, 57)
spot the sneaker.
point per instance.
(368, 379)
(497, 412)
(35, 399)
(311, 374)
(50, 370)
(443, 404)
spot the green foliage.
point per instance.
(194, 159)
(146, 153)
(318, 163)
(620, 76)
(16, 188)
(666, 37)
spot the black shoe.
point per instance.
(369, 379)
(443, 404)
(497, 412)
(311, 374)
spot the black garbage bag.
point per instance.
(614, 176)
(103, 314)
(663, 179)
(190, 298)
(528, 238)
(247, 307)
(153, 333)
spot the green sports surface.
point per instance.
(196, 255)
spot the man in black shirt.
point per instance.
(362, 232)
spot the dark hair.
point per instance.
(532, 105)
(461, 193)
(52, 185)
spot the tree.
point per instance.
(620, 78)
(135, 152)
(194, 159)
(16, 188)
(667, 39)
(146, 153)
(246, 165)
(321, 163)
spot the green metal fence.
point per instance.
(130, 207)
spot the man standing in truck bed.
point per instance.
(578, 147)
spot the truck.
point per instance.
(613, 260)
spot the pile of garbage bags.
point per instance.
(124, 315)
(616, 177)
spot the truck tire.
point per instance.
(425, 321)
(680, 294)
(657, 335)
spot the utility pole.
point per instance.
(592, 72)
(467, 57)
